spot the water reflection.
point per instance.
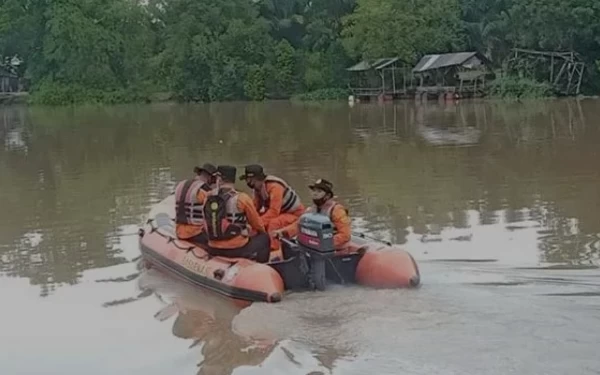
(206, 320)
(71, 179)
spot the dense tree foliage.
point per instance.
(207, 50)
(403, 28)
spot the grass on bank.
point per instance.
(512, 87)
(503, 87)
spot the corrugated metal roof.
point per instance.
(431, 62)
(373, 64)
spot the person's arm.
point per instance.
(275, 192)
(289, 231)
(246, 205)
(256, 201)
(342, 223)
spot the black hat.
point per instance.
(322, 184)
(227, 172)
(253, 170)
(207, 167)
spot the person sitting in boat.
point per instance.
(325, 203)
(233, 225)
(276, 201)
(189, 199)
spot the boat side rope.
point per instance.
(171, 239)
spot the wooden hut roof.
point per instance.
(432, 62)
(375, 64)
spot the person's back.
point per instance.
(227, 216)
(189, 204)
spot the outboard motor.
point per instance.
(315, 239)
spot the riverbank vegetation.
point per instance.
(110, 51)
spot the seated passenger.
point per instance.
(189, 200)
(274, 199)
(325, 203)
(227, 215)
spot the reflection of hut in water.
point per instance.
(12, 129)
(449, 136)
(462, 73)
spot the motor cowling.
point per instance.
(316, 233)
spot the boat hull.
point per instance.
(363, 262)
(238, 278)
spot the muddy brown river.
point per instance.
(498, 202)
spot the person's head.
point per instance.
(321, 191)
(207, 172)
(254, 176)
(226, 174)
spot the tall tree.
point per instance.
(78, 50)
(407, 29)
(210, 46)
(488, 26)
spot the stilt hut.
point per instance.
(383, 78)
(462, 73)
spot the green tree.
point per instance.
(488, 27)
(403, 28)
(78, 50)
(286, 19)
(254, 84)
(284, 69)
(209, 47)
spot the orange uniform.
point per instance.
(338, 216)
(274, 217)
(280, 203)
(244, 207)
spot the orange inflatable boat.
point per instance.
(310, 262)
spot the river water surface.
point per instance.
(498, 202)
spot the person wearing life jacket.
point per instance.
(324, 203)
(233, 226)
(276, 201)
(189, 204)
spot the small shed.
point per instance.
(388, 76)
(464, 72)
(9, 81)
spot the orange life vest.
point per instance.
(188, 210)
(222, 218)
(291, 200)
(326, 210)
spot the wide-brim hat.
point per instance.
(206, 167)
(322, 184)
(253, 170)
(227, 172)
